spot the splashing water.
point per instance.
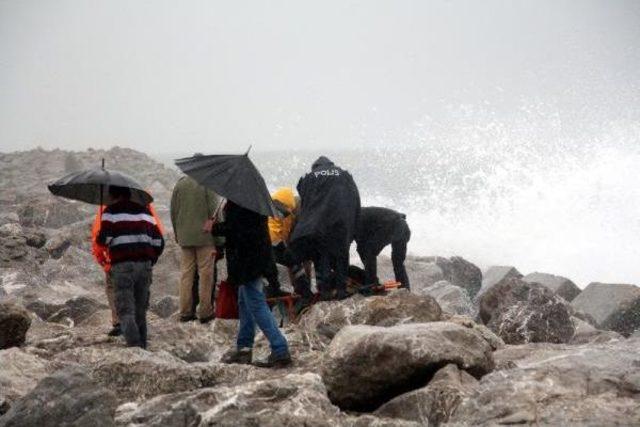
(565, 206)
(540, 198)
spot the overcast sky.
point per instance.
(167, 76)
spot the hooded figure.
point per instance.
(326, 223)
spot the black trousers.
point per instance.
(399, 240)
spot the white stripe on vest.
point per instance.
(134, 238)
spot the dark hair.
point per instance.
(117, 192)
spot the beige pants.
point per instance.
(200, 257)
(111, 298)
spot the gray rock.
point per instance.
(327, 318)
(497, 274)
(13, 249)
(43, 309)
(14, 324)
(521, 312)
(66, 398)
(487, 334)
(165, 306)
(459, 272)
(11, 229)
(50, 212)
(614, 307)
(136, 374)
(433, 404)
(421, 273)
(77, 309)
(551, 384)
(20, 373)
(366, 366)
(452, 299)
(558, 284)
(292, 400)
(587, 334)
(57, 245)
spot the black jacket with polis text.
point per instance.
(330, 204)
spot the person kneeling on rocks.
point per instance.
(249, 259)
(134, 241)
(279, 232)
(377, 228)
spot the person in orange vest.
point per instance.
(101, 255)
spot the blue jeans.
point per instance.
(253, 309)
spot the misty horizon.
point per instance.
(208, 75)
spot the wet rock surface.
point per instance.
(326, 319)
(558, 385)
(365, 366)
(452, 299)
(521, 312)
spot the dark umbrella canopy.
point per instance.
(92, 186)
(234, 177)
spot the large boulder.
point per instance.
(14, 324)
(66, 398)
(452, 299)
(614, 307)
(459, 272)
(496, 274)
(366, 366)
(327, 318)
(433, 404)
(19, 374)
(291, 400)
(521, 312)
(558, 284)
(551, 384)
(136, 374)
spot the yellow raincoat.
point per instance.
(280, 228)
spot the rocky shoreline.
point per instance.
(465, 348)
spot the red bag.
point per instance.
(227, 301)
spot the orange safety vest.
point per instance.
(101, 252)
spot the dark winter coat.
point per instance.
(330, 205)
(377, 228)
(247, 247)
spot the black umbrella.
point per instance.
(233, 176)
(91, 186)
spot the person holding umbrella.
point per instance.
(130, 233)
(248, 248)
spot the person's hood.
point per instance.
(322, 162)
(286, 197)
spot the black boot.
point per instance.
(115, 331)
(275, 361)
